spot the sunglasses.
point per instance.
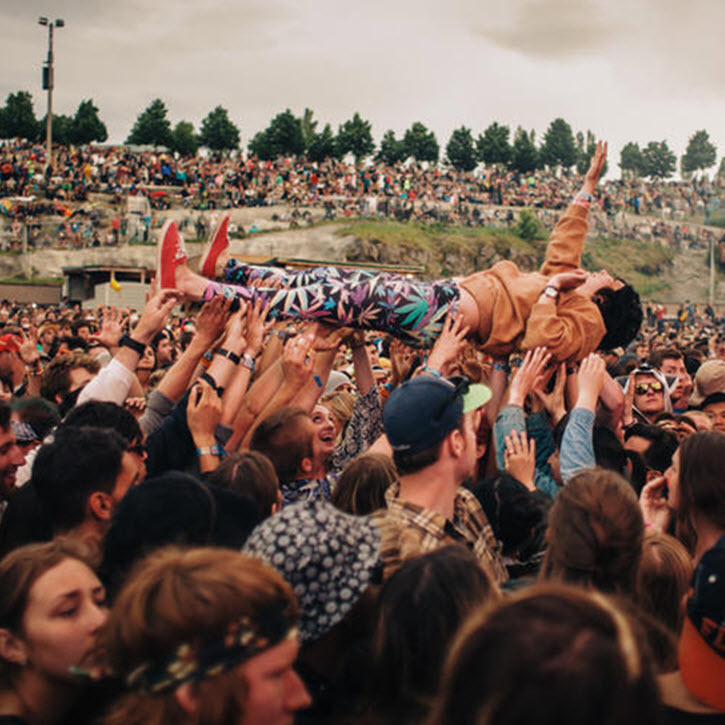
(644, 388)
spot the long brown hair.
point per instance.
(595, 533)
(176, 596)
(702, 484)
(553, 653)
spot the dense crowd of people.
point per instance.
(299, 500)
(329, 190)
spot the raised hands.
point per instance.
(326, 337)
(520, 458)
(257, 326)
(28, 350)
(203, 412)
(211, 321)
(155, 313)
(448, 345)
(591, 378)
(401, 359)
(531, 369)
(553, 402)
(298, 360)
(596, 167)
(111, 328)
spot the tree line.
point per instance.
(290, 135)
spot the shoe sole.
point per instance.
(213, 248)
(159, 254)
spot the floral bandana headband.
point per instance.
(242, 640)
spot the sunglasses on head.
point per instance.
(459, 387)
(644, 388)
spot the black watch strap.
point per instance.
(229, 355)
(135, 345)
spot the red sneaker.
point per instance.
(171, 253)
(218, 241)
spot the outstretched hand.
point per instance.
(532, 367)
(155, 313)
(448, 345)
(595, 167)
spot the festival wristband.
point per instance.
(431, 371)
(209, 379)
(217, 451)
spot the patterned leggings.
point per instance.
(409, 309)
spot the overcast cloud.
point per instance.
(640, 70)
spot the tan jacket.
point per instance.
(511, 318)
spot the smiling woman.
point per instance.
(52, 606)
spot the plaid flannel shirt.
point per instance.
(469, 527)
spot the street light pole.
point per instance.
(48, 84)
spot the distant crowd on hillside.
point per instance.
(333, 188)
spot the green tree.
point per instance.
(631, 160)
(184, 139)
(420, 143)
(721, 169)
(283, 137)
(62, 126)
(529, 227)
(259, 146)
(355, 137)
(17, 118)
(218, 132)
(309, 128)
(391, 149)
(322, 145)
(658, 160)
(524, 154)
(87, 126)
(461, 150)
(493, 145)
(700, 152)
(558, 148)
(152, 126)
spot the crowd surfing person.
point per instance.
(389, 525)
(561, 307)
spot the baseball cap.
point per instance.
(9, 343)
(422, 411)
(702, 643)
(709, 379)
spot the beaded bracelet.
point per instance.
(211, 451)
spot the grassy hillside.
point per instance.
(448, 250)
(641, 264)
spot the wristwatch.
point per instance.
(551, 291)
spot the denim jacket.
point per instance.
(577, 445)
(512, 417)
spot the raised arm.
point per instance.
(563, 253)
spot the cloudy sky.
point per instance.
(636, 70)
